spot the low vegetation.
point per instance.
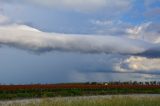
(89, 101)
(77, 89)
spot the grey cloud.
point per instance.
(24, 37)
(117, 6)
(111, 27)
(3, 19)
(151, 53)
(119, 72)
(149, 3)
(153, 12)
(148, 32)
(119, 64)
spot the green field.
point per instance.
(41, 93)
(118, 100)
(11, 92)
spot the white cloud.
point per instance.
(135, 31)
(102, 23)
(3, 19)
(148, 32)
(25, 37)
(139, 64)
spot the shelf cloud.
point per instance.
(28, 38)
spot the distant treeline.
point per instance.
(102, 83)
(77, 89)
(127, 82)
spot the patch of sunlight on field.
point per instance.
(127, 100)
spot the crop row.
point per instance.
(72, 86)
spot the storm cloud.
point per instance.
(46, 41)
(25, 37)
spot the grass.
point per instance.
(89, 101)
(41, 93)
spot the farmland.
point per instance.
(75, 89)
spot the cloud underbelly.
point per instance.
(27, 38)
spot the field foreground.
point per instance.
(116, 100)
(11, 92)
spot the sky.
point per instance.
(55, 41)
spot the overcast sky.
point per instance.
(52, 41)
